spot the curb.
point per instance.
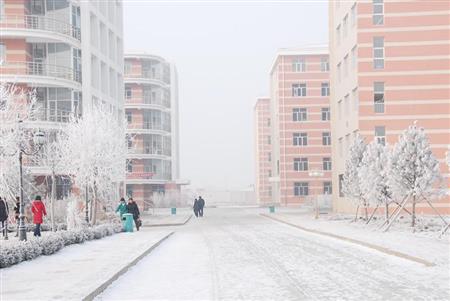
(123, 270)
(168, 225)
(357, 242)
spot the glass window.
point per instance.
(301, 189)
(128, 93)
(325, 114)
(298, 90)
(324, 64)
(299, 65)
(129, 117)
(325, 89)
(299, 114)
(300, 164)
(2, 53)
(378, 97)
(380, 134)
(300, 139)
(378, 52)
(326, 163)
(326, 138)
(327, 188)
(377, 12)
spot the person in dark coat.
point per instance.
(17, 214)
(38, 210)
(133, 208)
(196, 208)
(201, 205)
(4, 212)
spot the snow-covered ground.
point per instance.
(236, 254)
(76, 270)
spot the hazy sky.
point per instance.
(223, 52)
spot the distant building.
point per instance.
(151, 103)
(390, 66)
(300, 125)
(263, 151)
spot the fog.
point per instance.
(223, 52)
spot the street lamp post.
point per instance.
(316, 174)
(38, 139)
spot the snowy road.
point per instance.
(237, 254)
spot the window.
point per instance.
(324, 64)
(327, 188)
(341, 183)
(268, 121)
(378, 52)
(129, 117)
(299, 65)
(300, 139)
(301, 189)
(354, 57)
(344, 25)
(325, 89)
(326, 163)
(2, 53)
(269, 140)
(128, 93)
(129, 142)
(2, 8)
(326, 138)
(339, 72)
(380, 134)
(269, 157)
(299, 114)
(378, 97)
(325, 114)
(269, 172)
(127, 67)
(353, 15)
(129, 166)
(341, 151)
(338, 34)
(298, 90)
(377, 12)
(300, 164)
(346, 66)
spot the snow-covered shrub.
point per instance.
(14, 252)
(74, 214)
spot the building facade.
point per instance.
(151, 104)
(263, 151)
(300, 125)
(69, 52)
(390, 66)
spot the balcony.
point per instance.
(149, 127)
(156, 78)
(38, 71)
(38, 24)
(147, 103)
(148, 153)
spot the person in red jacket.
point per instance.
(38, 210)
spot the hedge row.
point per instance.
(14, 252)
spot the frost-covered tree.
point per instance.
(96, 148)
(414, 171)
(17, 107)
(374, 176)
(351, 185)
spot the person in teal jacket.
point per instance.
(122, 208)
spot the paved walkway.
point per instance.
(236, 254)
(77, 270)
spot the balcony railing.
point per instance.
(146, 100)
(379, 107)
(147, 74)
(149, 151)
(149, 126)
(40, 69)
(35, 22)
(53, 115)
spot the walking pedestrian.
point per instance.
(4, 212)
(17, 215)
(133, 208)
(195, 207)
(201, 205)
(38, 210)
(122, 208)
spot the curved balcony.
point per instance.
(148, 128)
(146, 178)
(143, 103)
(49, 118)
(145, 78)
(40, 73)
(151, 153)
(39, 26)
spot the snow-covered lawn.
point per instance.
(236, 254)
(76, 270)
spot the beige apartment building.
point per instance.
(263, 143)
(390, 66)
(300, 125)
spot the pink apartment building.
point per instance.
(151, 108)
(263, 146)
(390, 66)
(301, 134)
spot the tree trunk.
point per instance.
(94, 209)
(356, 215)
(52, 202)
(386, 209)
(413, 216)
(366, 212)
